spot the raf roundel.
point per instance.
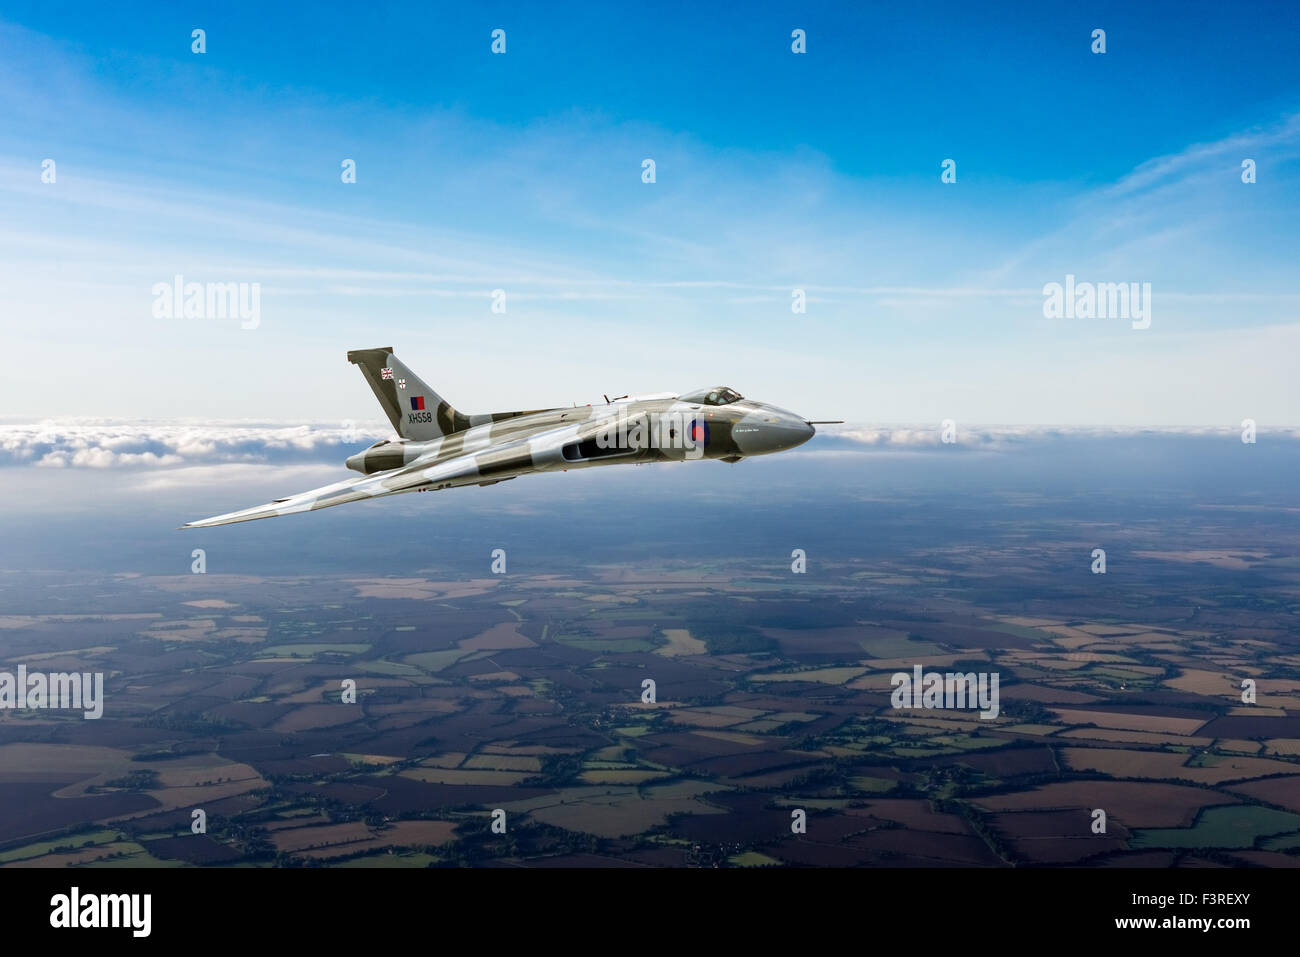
(699, 432)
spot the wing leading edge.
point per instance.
(340, 493)
(483, 467)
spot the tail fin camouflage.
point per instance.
(416, 410)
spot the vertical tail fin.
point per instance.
(416, 410)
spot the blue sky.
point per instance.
(774, 171)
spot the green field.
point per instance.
(391, 668)
(76, 842)
(1221, 827)
(436, 660)
(390, 860)
(899, 647)
(135, 856)
(609, 646)
(308, 649)
(752, 859)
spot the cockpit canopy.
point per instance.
(718, 395)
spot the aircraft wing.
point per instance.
(492, 464)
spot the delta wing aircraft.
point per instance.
(439, 447)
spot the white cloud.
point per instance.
(1006, 437)
(182, 453)
(107, 444)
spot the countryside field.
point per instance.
(523, 694)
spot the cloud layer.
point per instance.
(162, 445)
(105, 444)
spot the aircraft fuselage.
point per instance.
(624, 432)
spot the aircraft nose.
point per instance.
(771, 430)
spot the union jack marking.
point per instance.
(386, 373)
